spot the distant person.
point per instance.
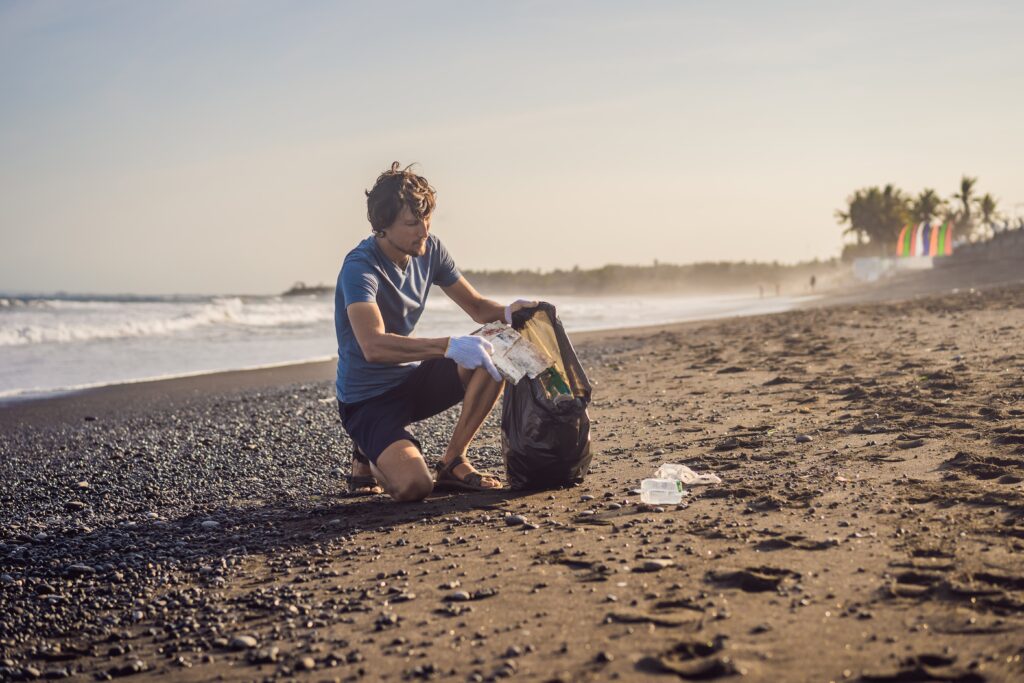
(388, 379)
(814, 281)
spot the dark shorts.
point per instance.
(376, 423)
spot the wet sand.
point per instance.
(870, 523)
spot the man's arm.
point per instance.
(478, 308)
(380, 347)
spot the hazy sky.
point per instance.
(159, 147)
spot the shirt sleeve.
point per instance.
(446, 273)
(358, 282)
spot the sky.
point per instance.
(224, 147)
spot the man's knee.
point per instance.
(412, 489)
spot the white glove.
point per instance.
(472, 352)
(508, 309)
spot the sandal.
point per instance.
(472, 481)
(363, 485)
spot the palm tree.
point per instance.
(966, 197)
(987, 208)
(876, 215)
(854, 228)
(925, 206)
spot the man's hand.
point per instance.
(518, 305)
(472, 352)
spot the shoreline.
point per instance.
(217, 378)
(896, 289)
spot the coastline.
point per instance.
(76, 403)
(191, 384)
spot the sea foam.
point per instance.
(49, 321)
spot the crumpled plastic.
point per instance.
(686, 475)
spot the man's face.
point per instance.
(408, 234)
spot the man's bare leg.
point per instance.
(403, 472)
(481, 394)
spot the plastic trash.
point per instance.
(661, 491)
(687, 476)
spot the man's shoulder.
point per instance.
(362, 255)
(436, 250)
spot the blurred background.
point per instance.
(168, 170)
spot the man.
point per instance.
(388, 379)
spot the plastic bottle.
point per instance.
(661, 491)
(554, 384)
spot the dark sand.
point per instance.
(887, 547)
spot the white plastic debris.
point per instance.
(661, 491)
(686, 475)
(514, 356)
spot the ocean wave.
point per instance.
(58, 322)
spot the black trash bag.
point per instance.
(545, 441)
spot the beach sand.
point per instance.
(870, 523)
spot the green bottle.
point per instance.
(554, 384)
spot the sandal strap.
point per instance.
(446, 469)
(358, 456)
(472, 478)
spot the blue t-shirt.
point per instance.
(369, 275)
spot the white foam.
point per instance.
(60, 322)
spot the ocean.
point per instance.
(52, 344)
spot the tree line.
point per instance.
(695, 278)
(874, 216)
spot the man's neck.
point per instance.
(399, 258)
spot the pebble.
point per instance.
(210, 524)
(515, 520)
(653, 565)
(243, 643)
(266, 655)
(79, 570)
(306, 664)
(803, 438)
(129, 668)
(385, 620)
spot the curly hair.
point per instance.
(394, 189)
